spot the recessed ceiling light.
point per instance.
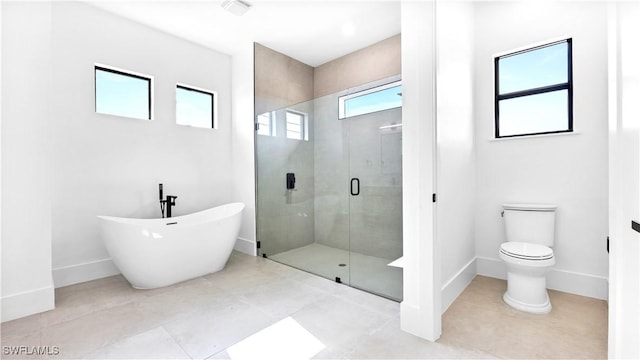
(236, 7)
(348, 29)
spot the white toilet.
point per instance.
(530, 231)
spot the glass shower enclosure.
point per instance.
(329, 186)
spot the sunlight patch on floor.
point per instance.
(285, 339)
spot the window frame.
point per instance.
(304, 134)
(115, 70)
(369, 90)
(568, 85)
(271, 126)
(214, 104)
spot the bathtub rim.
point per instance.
(234, 209)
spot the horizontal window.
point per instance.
(534, 114)
(195, 107)
(379, 98)
(123, 94)
(534, 91)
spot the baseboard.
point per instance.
(27, 303)
(416, 321)
(494, 268)
(557, 279)
(245, 246)
(579, 284)
(454, 287)
(75, 274)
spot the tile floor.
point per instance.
(576, 327)
(202, 318)
(362, 271)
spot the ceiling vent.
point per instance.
(236, 7)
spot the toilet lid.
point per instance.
(527, 251)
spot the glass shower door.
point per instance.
(303, 203)
(329, 192)
(375, 201)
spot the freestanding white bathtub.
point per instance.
(152, 253)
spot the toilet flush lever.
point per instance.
(502, 213)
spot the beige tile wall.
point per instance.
(378, 61)
(280, 80)
(286, 219)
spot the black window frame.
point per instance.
(535, 91)
(124, 73)
(212, 94)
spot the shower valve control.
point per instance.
(291, 181)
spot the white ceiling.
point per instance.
(307, 30)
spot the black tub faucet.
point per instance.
(171, 201)
(167, 203)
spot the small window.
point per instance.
(195, 107)
(534, 91)
(266, 124)
(379, 98)
(296, 125)
(122, 94)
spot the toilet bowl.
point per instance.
(530, 233)
(527, 267)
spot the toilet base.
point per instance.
(543, 308)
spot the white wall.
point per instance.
(27, 286)
(456, 152)
(108, 165)
(243, 156)
(624, 186)
(420, 309)
(567, 170)
(1, 292)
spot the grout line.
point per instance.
(177, 342)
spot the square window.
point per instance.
(195, 107)
(296, 125)
(266, 124)
(122, 94)
(534, 91)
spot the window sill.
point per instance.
(535, 136)
(196, 127)
(122, 116)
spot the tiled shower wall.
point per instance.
(371, 223)
(318, 209)
(284, 217)
(378, 61)
(280, 80)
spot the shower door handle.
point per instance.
(355, 181)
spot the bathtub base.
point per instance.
(152, 253)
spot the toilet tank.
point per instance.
(532, 223)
